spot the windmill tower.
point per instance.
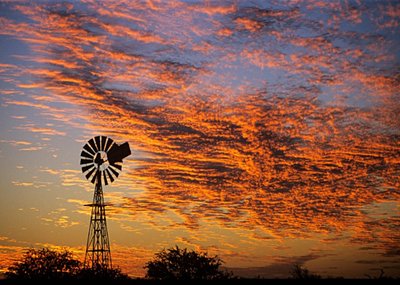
(101, 161)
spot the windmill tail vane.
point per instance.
(101, 161)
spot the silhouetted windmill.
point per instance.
(101, 159)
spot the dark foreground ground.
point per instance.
(231, 281)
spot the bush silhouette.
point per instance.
(101, 273)
(181, 264)
(298, 272)
(44, 264)
(380, 276)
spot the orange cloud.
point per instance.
(249, 24)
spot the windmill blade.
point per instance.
(94, 178)
(87, 167)
(103, 143)
(92, 144)
(86, 155)
(109, 175)
(88, 149)
(113, 170)
(90, 173)
(97, 139)
(105, 178)
(119, 167)
(109, 143)
(86, 161)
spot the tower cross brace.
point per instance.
(98, 252)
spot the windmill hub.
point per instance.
(101, 161)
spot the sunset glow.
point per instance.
(266, 132)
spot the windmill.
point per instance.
(101, 161)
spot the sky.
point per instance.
(264, 132)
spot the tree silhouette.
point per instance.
(44, 264)
(47, 264)
(181, 264)
(298, 272)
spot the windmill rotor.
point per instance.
(102, 154)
